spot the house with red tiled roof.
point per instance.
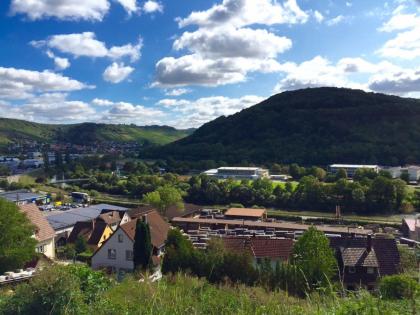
(44, 233)
(95, 232)
(273, 250)
(411, 228)
(116, 253)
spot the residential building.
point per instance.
(412, 171)
(238, 173)
(363, 260)
(44, 233)
(352, 168)
(116, 253)
(95, 232)
(246, 214)
(411, 228)
(273, 250)
(63, 222)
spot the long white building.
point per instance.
(238, 172)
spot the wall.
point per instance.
(100, 259)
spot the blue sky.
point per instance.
(185, 62)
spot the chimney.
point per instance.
(93, 225)
(369, 243)
(145, 218)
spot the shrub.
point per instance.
(399, 287)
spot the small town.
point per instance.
(212, 157)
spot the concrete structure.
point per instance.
(413, 172)
(238, 173)
(351, 168)
(220, 224)
(22, 197)
(44, 233)
(246, 214)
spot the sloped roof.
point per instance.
(110, 217)
(44, 231)
(92, 231)
(386, 251)
(245, 212)
(353, 257)
(260, 248)
(158, 228)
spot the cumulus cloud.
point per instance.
(334, 21)
(60, 63)
(152, 6)
(318, 16)
(21, 83)
(240, 13)
(223, 50)
(406, 43)
(382, 77)
(177, 92)
(91, 10)
(194, 113)
(124, 112)
(86, 45)
(102, 102)
(117, 72)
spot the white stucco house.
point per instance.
(116, 253)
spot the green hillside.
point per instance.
(12, 131)
(310, 126)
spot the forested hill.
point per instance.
(310, 126)
(13, 131)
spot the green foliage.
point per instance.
(17, 246)
(314, 258)
(163, 198)
(399, 287)
(408, 259)
(58, 290)
(316, 126)
(142, 248)
(80, 245)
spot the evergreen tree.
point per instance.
(142, 249)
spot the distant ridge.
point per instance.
(14, 131)
(309, 126)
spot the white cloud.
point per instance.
(318, 16)
(231, 42)
(152, 6)
(334, 21)
(124, 112)
(71, 10)
(197, 112)
(60, 63)
(129, 5)
(406, 43)
(117, 72)
(50, 108)
(102, 102)
(86, 45)
(240, 13)
(223, 50)
(194, 70)
(21, 84)
(177, 92)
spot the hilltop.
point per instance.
(310, 126)
(15, 131)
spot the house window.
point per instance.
(120, 238)
(40, 249)
(129, 255)
(352, 270)
(370, 270)
(112, 253)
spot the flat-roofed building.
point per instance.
(238, 172)
(246, 214)
(352, 168)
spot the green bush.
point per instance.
(399, 287)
